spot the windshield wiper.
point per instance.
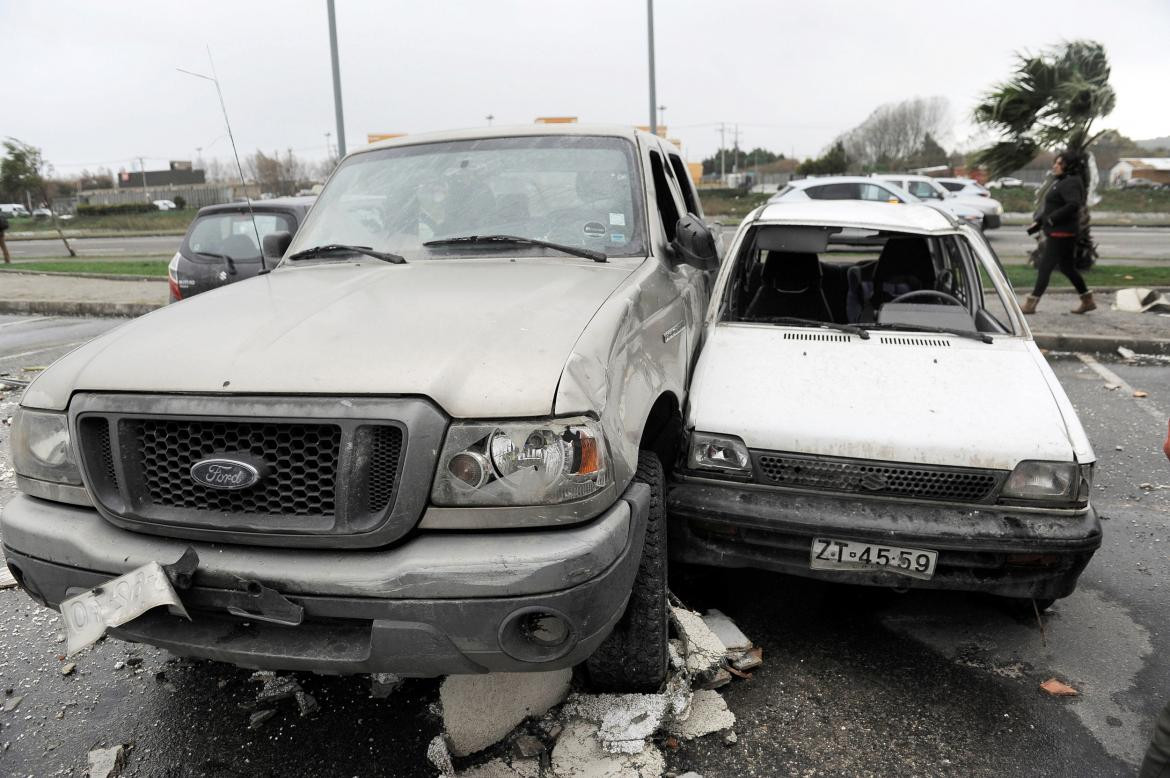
(980, 336)
(596, 256)
(231, 265)
(852, 329)
(339, 249)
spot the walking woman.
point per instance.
(1060, 219)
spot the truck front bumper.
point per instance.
(993, 548)
(434, 604)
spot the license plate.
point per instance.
(832, 554)
(116, 602)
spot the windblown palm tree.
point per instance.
(1049, 104)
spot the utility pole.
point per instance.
(653, 94)
(722, 153)
(328, 144)
(735, 152)
(142, 167)
(662, 117)
(336, 80)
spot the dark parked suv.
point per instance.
(221, 245)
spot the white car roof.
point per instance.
(862, 214)
(804, 183)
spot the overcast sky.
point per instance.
(94, 83)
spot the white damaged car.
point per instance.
(864, 411)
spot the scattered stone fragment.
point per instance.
(730, 739)
(708, 714)
(106, 762)
(306, 703)
(440, 756)
(7, 581)
(60, 638)
(1139, 393)
(12, 703)
(1058, 688)
(715, 680)
(1112, 386)
(119, 665)
(749, 660)
(276, 687)
(527, 746)
(479, 710)
(578, 754)
(257, 719)
(704, 651)
(68, 668)
(498, 768)
(725, 629)
(382, 685)
(1126, 353)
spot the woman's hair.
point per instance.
(1074, 162)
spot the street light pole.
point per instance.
(653, 95)
(336, 80)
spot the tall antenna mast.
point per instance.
(214, 78)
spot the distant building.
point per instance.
(179, 174)
(1156, 170)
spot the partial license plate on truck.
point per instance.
(116, 602)
(833, 554)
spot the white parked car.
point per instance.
(964, 187)
(1006, 182)
(931, 189)
(165, 205)
(868, 188)
(883, 422)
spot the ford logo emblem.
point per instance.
(224, 473)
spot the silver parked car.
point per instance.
(930, 189)
(870, 189)
(431, 441)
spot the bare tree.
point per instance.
(897, 132)
(276, 174)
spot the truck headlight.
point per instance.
(1051, 482)
(41, 448)
(521, 463)
(723, 453)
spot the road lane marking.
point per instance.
(74, 344)
(26, 321)
(1113, 378)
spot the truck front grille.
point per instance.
(891, 479)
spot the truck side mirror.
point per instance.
(276, 243)
(694, 244)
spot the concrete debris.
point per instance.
(1126, 353)
(1139, 393)
(725, 629)
(382, 685)
(1141, 300)
(527, 747)
(730, 739)
(119, 665)
(439, 756)
(281, 687)
(578, 754)
(106, 762)
(257, 719)
(306, 703)
(68, 668)
(720, 677)
(708, 714)
(703, 649)
(691, 774)
(498, 768)
(1058, 688)
(12, 703)
(624, 721)
(7, 581)
(479, 710)
(749, 660)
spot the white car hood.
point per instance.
(486, 338)
(965, 404)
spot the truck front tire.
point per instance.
(634, 657)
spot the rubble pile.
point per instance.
(595, 735)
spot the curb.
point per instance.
(102, 276)
(77, 308)
(1100, 344)
(19, 236)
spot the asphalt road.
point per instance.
(855, 682)
(96, 247)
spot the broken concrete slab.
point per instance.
(749, 660)
(578, 754)
(704, 651)
(708, 714)
(440, 756)
(479, 710)
(498, 768)
(1141, 300)
(623, 721)
(106, 762)
(726, 630)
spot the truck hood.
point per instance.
(480, 337)
(928, 399)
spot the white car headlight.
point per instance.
(41, 447)
(521, 463)
(1058, 482)
(723, 453)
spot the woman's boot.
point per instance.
(1086, 305)
(1030, 303)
